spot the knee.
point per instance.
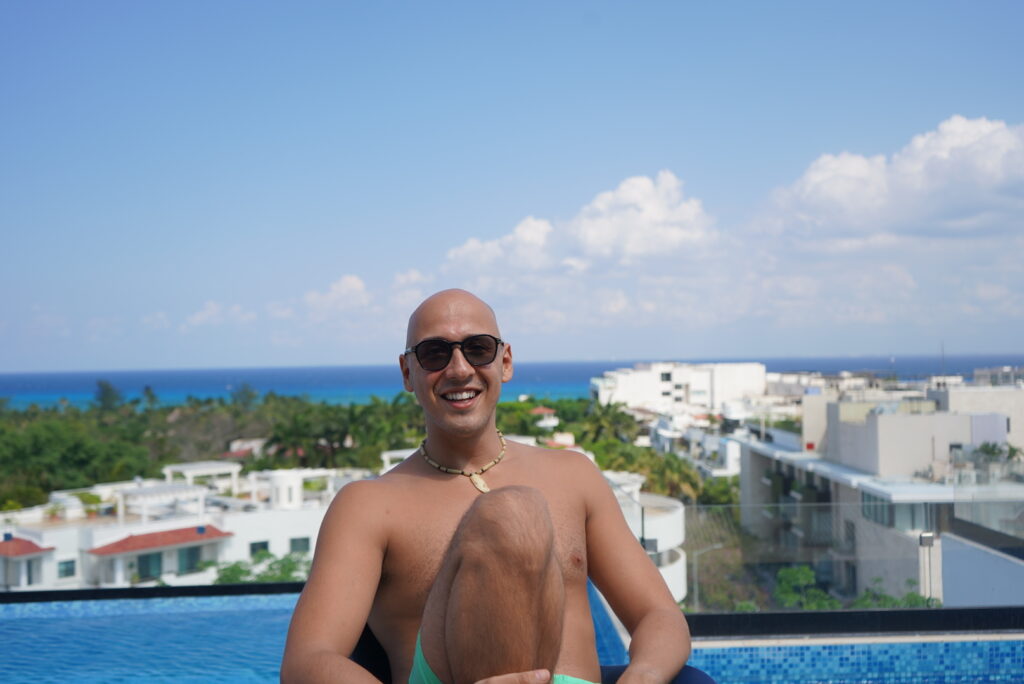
(511, 525)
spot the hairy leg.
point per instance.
(498, 601)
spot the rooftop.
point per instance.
(155, 540)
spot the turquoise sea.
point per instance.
(356, 384)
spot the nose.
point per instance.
(459, 365)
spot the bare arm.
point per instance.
(634, 588)
(336, 601)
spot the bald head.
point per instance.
(450, 309)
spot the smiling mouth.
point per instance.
(462, 395)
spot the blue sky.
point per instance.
(189, 184)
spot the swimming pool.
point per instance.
(240, 639)
(182, 639)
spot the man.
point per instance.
(469, 560)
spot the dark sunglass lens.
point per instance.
(433, 354)
(479, 349)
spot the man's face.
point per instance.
(460, 398)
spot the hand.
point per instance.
(531, 677)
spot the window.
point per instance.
(66, 568)
(258, 547)
(188, 559)
(299, 545)
(876, 509)
(150, 565)
(32, 573)
(665, 393)
(914, 516)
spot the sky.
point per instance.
(245, 183)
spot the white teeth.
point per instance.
(459, 396)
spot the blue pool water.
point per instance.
(240, 639)
(208, 639)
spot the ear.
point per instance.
(403, 363)
(506, 363)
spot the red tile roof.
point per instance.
(542, 411)
(17, 546)
(155, 540)
(241, 453)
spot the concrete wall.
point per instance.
(1008, 401)
(885, 552)
(754, 494)
(978, 576)
(852, 438)
(275, 527)
(909, 443)
(815, 421)
(731, 381)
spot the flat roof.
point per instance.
(897, 491)
(201, 467)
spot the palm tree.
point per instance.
(608, 421)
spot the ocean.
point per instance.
(356, 384)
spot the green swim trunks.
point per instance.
(422, 674)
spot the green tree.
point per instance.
(108, 397)
(607, 421)
(873, 598)
(238, 572)
(244, 398)
(720, 491)
(795, 588)
(149, 398)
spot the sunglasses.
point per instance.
(435, 354)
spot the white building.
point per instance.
(889, 490)
(148, 532)
(658, 523)
(679, 388)
(1005, 400)
(999, 375)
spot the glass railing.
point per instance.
(787, 555)
(825, 556)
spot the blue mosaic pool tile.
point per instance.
(867, 663)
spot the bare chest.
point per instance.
(419, 539)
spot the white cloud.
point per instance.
(344, 294)
(279, 311)
(411, 277)
(990, 291)
(524, 248)
(641, 217)
(102, 330)
(158, 320)
(963, 179)
(211, 313)
(215, 313)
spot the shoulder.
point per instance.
(357, 504)
(568, 465)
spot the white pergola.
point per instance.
(159, 495)
(190, 471)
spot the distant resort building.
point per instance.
(876, 493)
(999, 375)
(169, 531)
(176, 531)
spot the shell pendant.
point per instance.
(479, 483)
